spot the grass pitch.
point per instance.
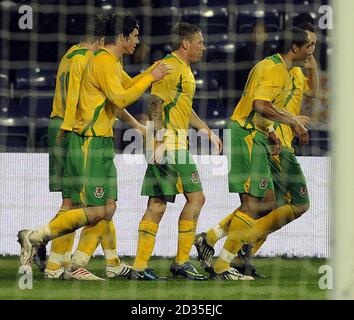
(295, 279)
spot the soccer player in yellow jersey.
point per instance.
(267, 90)
(171, 108)
(62, 119)
(90, 147)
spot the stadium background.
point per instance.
(29, 59)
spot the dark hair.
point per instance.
(307, 26)
(183, 31)
(94, 28)
(120, 22)
(295, 36)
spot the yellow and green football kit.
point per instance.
(91, 151)
(65, 100)
(250, 154)
(180, 173)
(289, 180)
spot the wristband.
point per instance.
(270, 129)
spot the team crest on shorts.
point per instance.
(195, 177)
(263, 183)
(99, 192)
(303, 191)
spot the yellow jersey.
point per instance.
(177, 91)
(269, 80)
(67, 84)
(299, 86)
(101, 89)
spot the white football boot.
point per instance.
(81, 274)
(120, 271)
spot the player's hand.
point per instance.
(60, 135)
(275, 142)
(310, 63)
(159, 153)
(217, 143)
(305, 120)
(160, 71)
(300, 131)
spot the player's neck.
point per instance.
(182, 55)
(288, 60)
(116, 49)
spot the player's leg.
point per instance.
(87, 188)
(290, 188)
(250, 176)
(148, 228)
(57, 148)
(186, 170)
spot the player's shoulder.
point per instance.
(297, 72)
(272, 62)
(78, 54)
(171, 60)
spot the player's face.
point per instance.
(306, 51)
(196, 47)
(131, 42)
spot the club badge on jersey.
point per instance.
(99, 192)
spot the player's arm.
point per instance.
(269, 111)
(128, 81)
(269, 87)
(267, 126)
(125, 116)
(156, 129)
(312, 86)
(74, 81)
(108, 79)
(197, 123)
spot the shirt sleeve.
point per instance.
(76, 71)
(109, 77)
(269, 85)
(128, 82)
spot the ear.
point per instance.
(185, 44)
(294, 48)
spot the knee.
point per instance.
(110, 210)
(96, 214)
(156, 209)
(301, 209)
(197, 200)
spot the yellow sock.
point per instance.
(186, 234)
(257, 245)
(146, 242)
(66, 222)
(57, 250)
(109, 245)
(91, 236)
(220, 230)
(238, 231)
(273, 221)
(68, 250)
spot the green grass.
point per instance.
(286, 279)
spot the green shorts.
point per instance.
(57, 154)
(90, 173)
(249, 161)
(178, 175)
(289, 180)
